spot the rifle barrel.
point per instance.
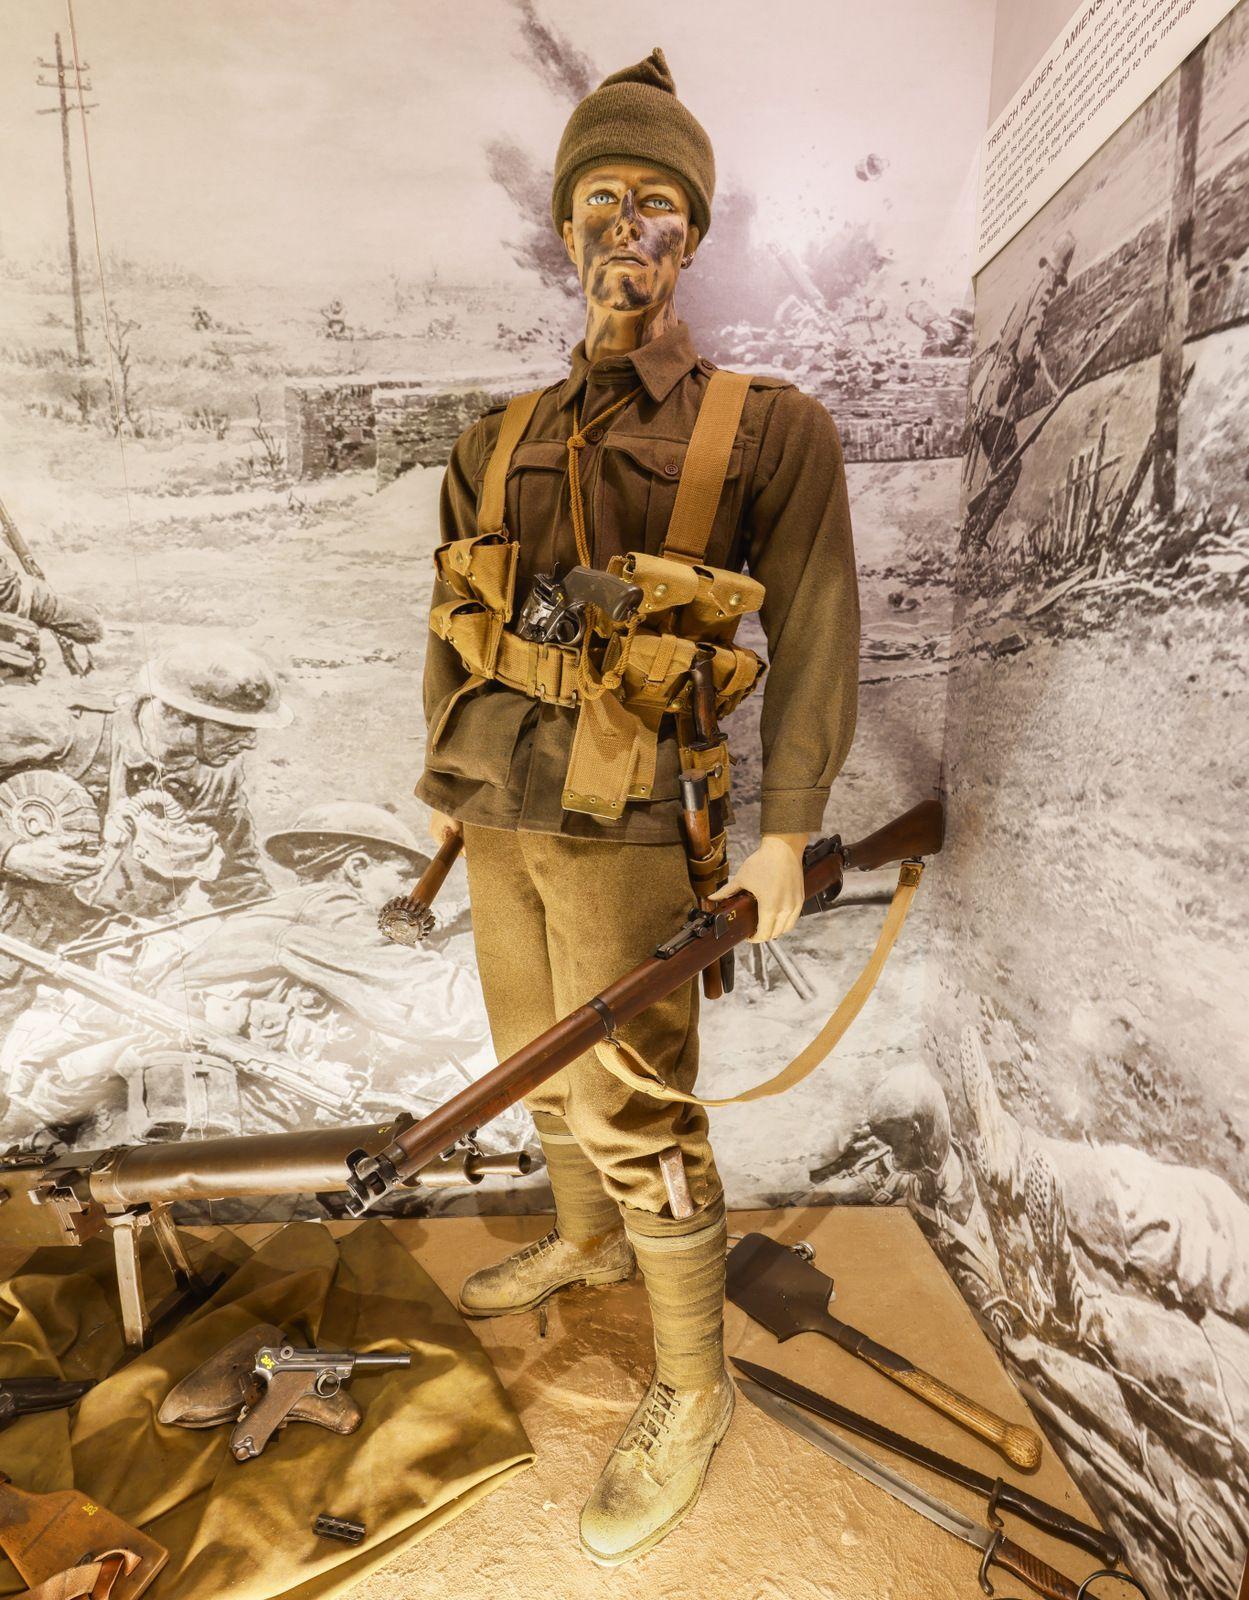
(706, 939)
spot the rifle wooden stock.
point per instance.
(705, 938)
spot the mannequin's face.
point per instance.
(630, 230)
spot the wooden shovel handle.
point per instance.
(1021, 1446)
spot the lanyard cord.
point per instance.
(576, 443)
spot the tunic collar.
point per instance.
(659, 365)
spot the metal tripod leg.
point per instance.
(189, 1288)
(134, 1313)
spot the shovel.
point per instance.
(786, 1295)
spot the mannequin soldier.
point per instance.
(564, 900)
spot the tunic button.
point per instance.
(594, 434)
(671, 468)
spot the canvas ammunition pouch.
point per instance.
(623, 677)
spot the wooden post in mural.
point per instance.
(62, 109)
(1178, 267)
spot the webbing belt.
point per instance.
(625, 1063)
(542, 671)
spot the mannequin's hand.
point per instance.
(442, 827)
(773, 874)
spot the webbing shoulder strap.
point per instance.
(516, 419)
(706, 464)
(632, 1069)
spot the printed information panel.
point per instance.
(1109, 58)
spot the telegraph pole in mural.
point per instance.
(1178, 268)
(63, 110)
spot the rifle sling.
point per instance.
(624, 1062)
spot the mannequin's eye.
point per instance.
(660, 200)
(600, 197)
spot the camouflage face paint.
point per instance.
(629, 228)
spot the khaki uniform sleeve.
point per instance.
(457, 518)
(802, 551)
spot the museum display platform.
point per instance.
(777, 1519)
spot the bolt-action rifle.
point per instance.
(705, 938)
(179, 1025)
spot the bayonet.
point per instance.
(1001, 1496)
(996, 1550)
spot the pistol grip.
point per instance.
(260, 1422)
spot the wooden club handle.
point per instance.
(435, 873)
(1037, 1574)
(1021, 1446)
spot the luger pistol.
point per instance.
(283, 1375)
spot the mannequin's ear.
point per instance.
(568, 242)
(692, 237)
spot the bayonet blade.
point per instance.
(910, 1494)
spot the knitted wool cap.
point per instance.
(635, 115)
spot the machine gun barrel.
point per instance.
(175, 1024)
(706, 937)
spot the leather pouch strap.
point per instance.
(706, 465)
(92, 1580)
(624, 1063)
(516, 419)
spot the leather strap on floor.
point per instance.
(93, 1580)
(626, 1064)
(706, 464)
(516, 419)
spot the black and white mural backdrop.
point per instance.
(242, 320)
(296, 276)
(1078, 1148)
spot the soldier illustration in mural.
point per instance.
(1116, 1283)
(309, 973)
(28, 604)
(1016, 360)
(119, 806)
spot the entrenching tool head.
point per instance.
(777, 1288)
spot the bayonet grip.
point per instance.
(1030, 1569)
(1009, 1497)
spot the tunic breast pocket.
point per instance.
(637, 490)
(534, 514)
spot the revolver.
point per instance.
(554, 611)
(284, 1375)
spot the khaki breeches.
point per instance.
(555, 920)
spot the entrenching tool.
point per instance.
(1001, 1496)
(787, 1296)
(46, 1534)
(996, 1550)
(408, 919)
